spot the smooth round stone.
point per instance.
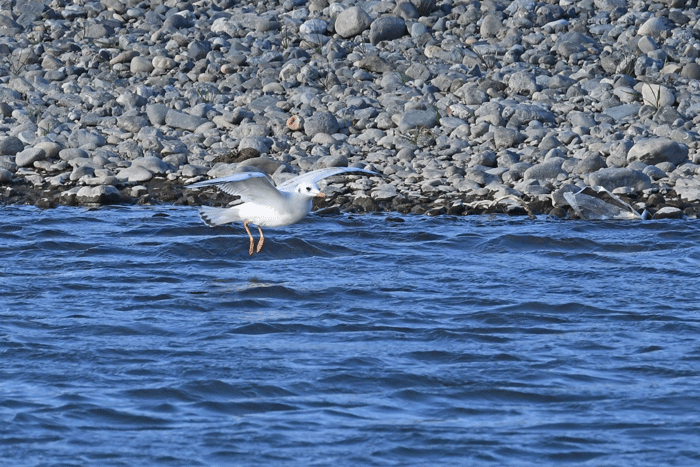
(321, 122)
(591, 163)
(164, 63)
(141, 65)
(124, 57)
(152, 164)
(417, 118)
(613, 178)
(653, 27)
(506, 137)
(406, 10)
(261, 144)
(29, 156)
(10, 146)
(50, 148)
(276, 88)
(135, 174)
(267, 24)
(5, 175)
(81, 171)
(182, 120)
(352, 22)
(668, 212)
(132, 123)
(103, 194)
(313, 26)
(657, 95)
(85, 138)
(490, 26)
(156, 113)
(387, 28)
(418, 29)
(547, 170)
(332, 161)
(653, 151)
(654, 172)
(691, 71)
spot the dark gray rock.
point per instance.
(5, 175)
(416, 118)
(591, 163)
(321, 122)
(573, 42)
(182, 120)
(547, 170)
(620, 177)
(653, 151)
(11, 145)
(406, 10)
(523, 83)
(507, 137)
(132, 123)
(387, 28)
(691, 71)
(180, 20)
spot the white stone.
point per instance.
(657, 95)
(135, 174)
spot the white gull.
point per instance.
(264, 205)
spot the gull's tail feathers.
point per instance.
(218, 216)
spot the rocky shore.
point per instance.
(464, 106)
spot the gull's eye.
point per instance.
(308, 188)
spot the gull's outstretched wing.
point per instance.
(316, 175)
(250, 186)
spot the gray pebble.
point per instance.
(490, 26)
(656, 150)
(547, 170)
(5, 175)
(417, 118)
(29, 156)
(613, 178)
(387, 28)
(11, 145)
(352, 21)
(182, 120)
(591, 163)
(134, 174)
(152, 164)
(321, 122)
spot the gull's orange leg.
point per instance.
(251, 250)
(262, 239)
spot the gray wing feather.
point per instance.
(317, 175)
(250, 186)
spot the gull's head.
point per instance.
(310, 190)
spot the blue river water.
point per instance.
(135, 336)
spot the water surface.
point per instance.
(138, 336)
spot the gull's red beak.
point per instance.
(321, 195)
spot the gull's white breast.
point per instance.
(292, 209)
